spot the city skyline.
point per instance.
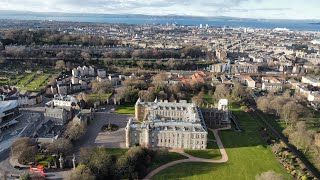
(258, 9)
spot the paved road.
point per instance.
(223, 159)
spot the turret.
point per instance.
(128, 131)
(147, 135)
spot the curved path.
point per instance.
(223, 159)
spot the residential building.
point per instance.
(271, 84)
(62, 101)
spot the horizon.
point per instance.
(55, 14)
(244, 9)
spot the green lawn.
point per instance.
(25, 79)
(125, 109)
(9, 79)
(277, 123)
(211, 153)
(111, 151)
(39, 83)
(248, 156)
(171, 156)
(208, 98)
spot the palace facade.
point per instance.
(167, 124)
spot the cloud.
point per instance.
(239, 8)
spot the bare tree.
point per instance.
(86, 55)
(102, 86)
(60, 65)
(222, 91)
(290, 112)
(263, 104)
(238, 91)
(82, 172)
(277, 104)
(199, 99)
(60, 145)
(301, 137)
(75, 131)
(147, 95)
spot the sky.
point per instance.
(266, 9)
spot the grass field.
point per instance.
(25, 79)
(125, 109)
(9, 79)
(39, 83)
(171, 156)
(211, 153)
(248, 156)
(115, 151)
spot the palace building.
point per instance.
(167, 124)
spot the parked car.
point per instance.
(17, 167)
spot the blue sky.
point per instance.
(269, 9)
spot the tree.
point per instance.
(269, 175)
(290, 112)
(199, 99)
(60, 65)
(238, 91)
(141, 64)
(102, 163)
(20, 145)
(127, 93)
(317, 140)
(301, 137)
(287, 93)
(25, 176)
(277, 104)
(85, 155)
(28, 154)
(147, 95)
(159, 79)
(133, 163)
(75, 131)
(82, 172)
(59, 146)
(86, 55)
(222, 91)
(102, 86)
(263, 104)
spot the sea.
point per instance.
(297, 25)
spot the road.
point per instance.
(93, 138)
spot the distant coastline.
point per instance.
(221, 21)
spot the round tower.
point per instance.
(128, 132)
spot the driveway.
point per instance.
(96, 138)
